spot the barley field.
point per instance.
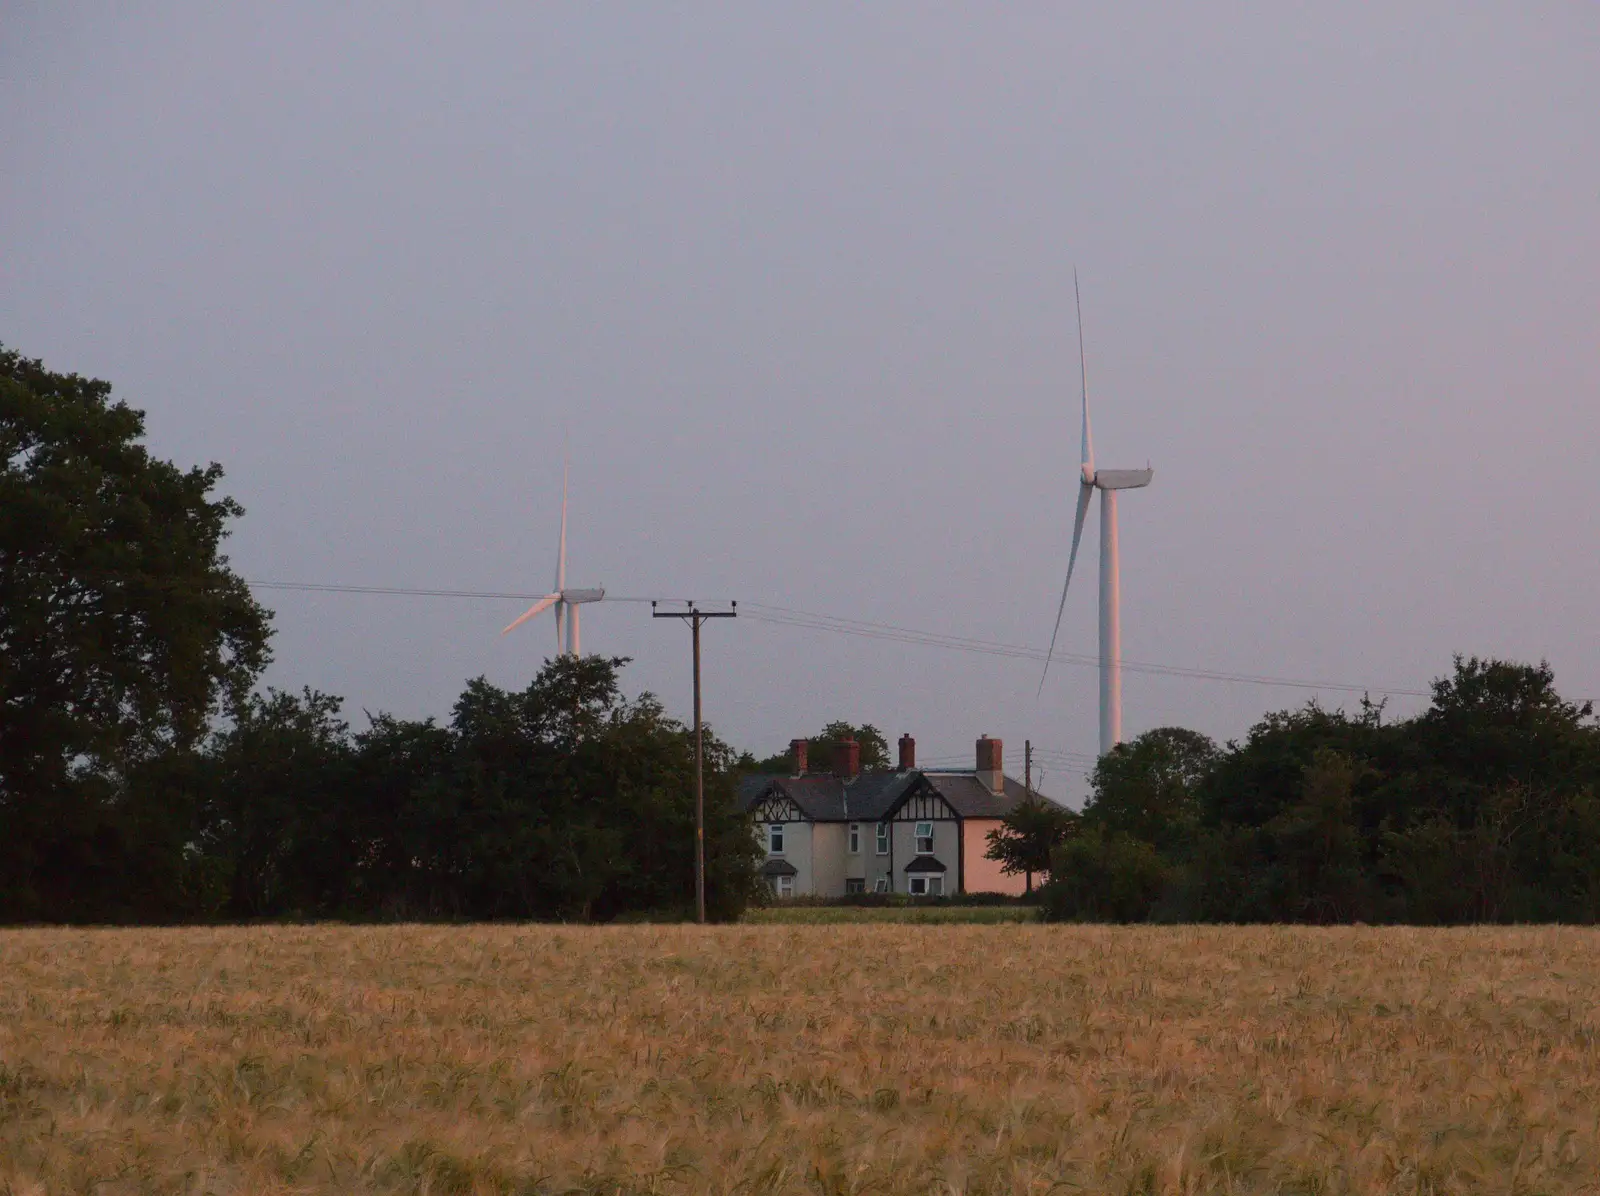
(878, 1058)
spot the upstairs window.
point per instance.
(924, 838)
(855, 838)
(883, 838)
(775, 838)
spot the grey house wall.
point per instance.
(827, 857)
(797, 849)
(946, 849)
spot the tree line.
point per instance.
(144, 777)
(1482, 808)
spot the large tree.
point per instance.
(819, 750)
(1149, 787)
(122, 629)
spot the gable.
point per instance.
(775, 807)
(923, 804)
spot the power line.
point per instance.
(868, 629)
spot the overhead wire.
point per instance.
(869, 629)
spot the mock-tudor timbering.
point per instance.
(918, 831)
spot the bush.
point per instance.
(1104, 877)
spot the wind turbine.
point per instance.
(1107, 482)
(561, 597)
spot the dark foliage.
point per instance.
(141, 780)
(819, 750)
(1484, 808)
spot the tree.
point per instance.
(122, 629)
(1149, 787)
(1104, 876)
(1028, 835)
(819, 750)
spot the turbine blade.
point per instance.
(1083, 377)
(537, 608)
(561, 554)
(1085, 493)
(561, 623)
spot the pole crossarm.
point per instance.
(694, 616)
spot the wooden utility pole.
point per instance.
(1027, 768)
(694, 616)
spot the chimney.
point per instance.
(991, 764)
(797, 748)
(908, 752)
(846, 759)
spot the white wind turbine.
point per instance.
(561, 598)
(1108, 482)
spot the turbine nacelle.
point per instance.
(576, 597)
(1122, 479)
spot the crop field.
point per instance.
(853, 1058)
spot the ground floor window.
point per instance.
(881, 885)
(926, 886)
(855, 885)
(785, 886)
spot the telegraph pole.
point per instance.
(694, 616)
(1027, 768)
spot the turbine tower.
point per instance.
(1107, 482)
(561, 597)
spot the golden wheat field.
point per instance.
(828, 1059)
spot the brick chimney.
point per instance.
(797, 748)
(908, 752)
(846, 759)
(991, 764)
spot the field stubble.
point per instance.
(831, 1059)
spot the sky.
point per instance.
(793, 285)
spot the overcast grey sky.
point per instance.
(797, 282)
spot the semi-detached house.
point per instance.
(918, 831)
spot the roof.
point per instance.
(825, 798)
(871, 796)
(925, 863)
(970, 797)
(777, 867)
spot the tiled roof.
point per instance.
(925, 863)
(871, 796)
(779, 867)
(970, 797)
(824, 798)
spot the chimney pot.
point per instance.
(846, 759)
(797, 748)
(908, 752)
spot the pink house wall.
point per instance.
(980, 875)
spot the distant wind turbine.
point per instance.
(1108, 482)
(561, 597)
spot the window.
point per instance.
(935, 886)
(855, 838)
(922, 885)
(924, 838)
(881, 885)
(883, 838)
(855, 885)
(919, 886)
(785, 886)
(775, 839)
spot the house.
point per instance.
(918, 831)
